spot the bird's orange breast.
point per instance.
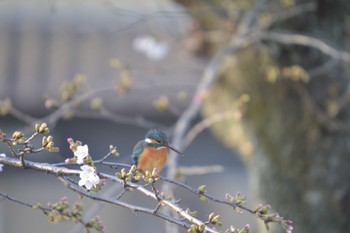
(151, 158)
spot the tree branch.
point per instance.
(62, 172)
(298, 39)
(206, 123)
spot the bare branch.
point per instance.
(322, 117)
(42, 167)
(103, 113)
(27, 119)
(298, 39)
(61, 172)
(152, 195)
(323, 68)
(244, 38)
(206, 123)
(289, 13)
(200, 170)
(210, 197)
(47, 210)
(15, 200)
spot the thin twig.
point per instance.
(206, 123)
(298, 39)
(322, 117)
(62, 171)
(244, 38)
(200, 170)
(105, 114)
(208, 196)
(17, 201)
(152, 195)
(114, 201)
(27, 119)
(292, 12)
(45, 210)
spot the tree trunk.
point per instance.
(294, 133)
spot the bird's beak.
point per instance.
(172, 148)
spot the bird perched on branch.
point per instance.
(152, 152)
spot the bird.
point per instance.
(152, 152)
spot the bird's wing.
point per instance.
(136, 152)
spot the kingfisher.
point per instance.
(152, 152)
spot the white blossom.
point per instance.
(154, 50)
(1, 165)
(88, 177)
(81, 153)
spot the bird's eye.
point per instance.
(158, 141)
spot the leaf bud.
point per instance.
(201, 228)
(154, 172)
(119, 175)
(17, 135)
(36, 206)
(202, 189)
(43, 129)
(123, 172)
(50, 138)
(37, 126)
(133, 168)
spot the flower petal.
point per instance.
(88, 185)
(81, 182)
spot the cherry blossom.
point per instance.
(88, 177)
(81, 153)
(153, 49)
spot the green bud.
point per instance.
(37, 126)
(54, 149)
(5, 107)
(123, 172)
(96, 104)
(202, 189)
(203, 198)
(232, 229)
(44, 141)
(17, 135)
(192, 229)
(36, 206)
(49, 145)
(50, 138)
(137, 178)
(133, 168)
(161, 104)
(154, 172)
(89, 160)
(211, 216)
(201, 228)
(79, 79)
(43, 129)
(119, 175)
(192, 213)
(113, 150)
(216, 220)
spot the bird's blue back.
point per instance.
(137, 151)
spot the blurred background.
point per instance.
(276, 118)
(45, 43)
